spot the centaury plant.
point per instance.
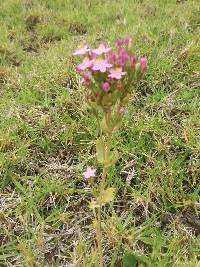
(109, 76)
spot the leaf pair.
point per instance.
(113, 124)
(104, 156)
(106, 197)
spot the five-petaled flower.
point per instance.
(101, 65)
(116, 73)
(101, 50)
(85, 65)
(89, 173)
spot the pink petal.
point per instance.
(128, 40)
(81, 51)
(143, 62)
(101, 65)
(116, 73)
(86, 64)
(89, 173)
(101, 50)
(123, 110)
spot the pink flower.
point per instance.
(101, 50)
(86, 78)
(85, 65)
(101, 65)
(89, 173)
(81, 51)
(106, 86)
(116, 73)
(114, 58)
(143, 62)
(123, 58)
(119, 42)
(128, 40)
(123, 110)
(134, 60)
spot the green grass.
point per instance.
(47, 135)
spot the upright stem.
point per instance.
(102, 187)
(99, 233)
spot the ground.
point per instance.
(47, 135)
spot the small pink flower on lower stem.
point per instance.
(123, 110)
(106, 86)
(89, 173)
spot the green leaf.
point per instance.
(130, 260)
(112, 158)
(106, 128)
(108, 195)
(100, 149)
(94, 106)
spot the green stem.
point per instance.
(102, 187)
(99, 232)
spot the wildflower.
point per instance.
(114, 58)
(89, 173)
(106, 86)
(101, 50)
(116, 73)
(128, 41)
(143, 63)
(134, 60)
(101, 65)
(85, 65)
(86, 78)
(123, 58)
(119, 42)
(123, 110)
(81, 51)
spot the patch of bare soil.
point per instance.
(77, 28)
(187, 219)
(31, 21)
(10, 56)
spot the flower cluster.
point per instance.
(110, 74)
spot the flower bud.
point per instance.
(134, 60)
(119, 42)
(143, 63)
(106, 86)
(128, 41)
